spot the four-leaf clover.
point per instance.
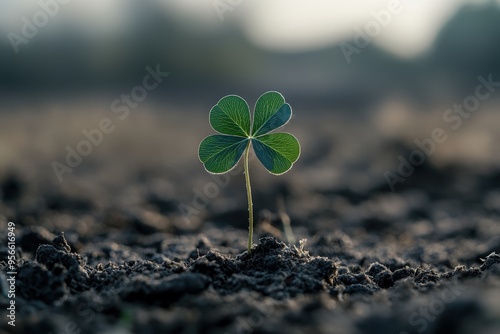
(231, 117)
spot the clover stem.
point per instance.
(250, 204)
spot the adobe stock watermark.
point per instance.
(85, 313)
(29, 28)
(453, 117)
(425, 315)
(373, 28)
(83, 310)
(121, 107)
(256, 318)
(209, 191)
(222, 6)
(11, 272)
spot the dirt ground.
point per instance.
(109, 249)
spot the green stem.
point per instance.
(250, 204)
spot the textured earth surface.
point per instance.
(112, 249)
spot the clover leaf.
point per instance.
(238, 132)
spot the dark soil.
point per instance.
(96, 256)
(193, 285)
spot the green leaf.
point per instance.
(220, 153)
(271, 112)
(231, 116)
(277, 151)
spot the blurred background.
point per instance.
(365, 79)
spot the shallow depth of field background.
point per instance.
(353, 117)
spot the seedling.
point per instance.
(239, 131)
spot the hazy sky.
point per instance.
(297, 25)
(322, 22)
(285, 25)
